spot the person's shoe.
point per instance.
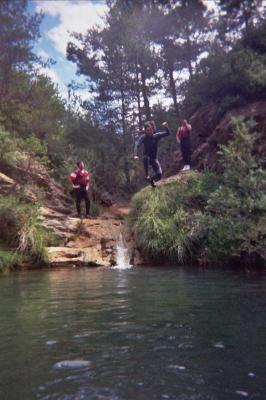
(148, 178)
(186, 168)
(152, 183)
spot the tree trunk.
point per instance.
(173, 89)
(126, 165)
(138, 99)
(190, 68)
(144, 93)
(247, 21)
(188, 45)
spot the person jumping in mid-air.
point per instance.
(150, 141)
(183, 137)
(80, 179)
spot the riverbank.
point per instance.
(38, 227)
(207, 218)
(88, 242)
(212, 218)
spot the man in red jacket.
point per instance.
(80, 179)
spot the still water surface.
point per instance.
(147, 334)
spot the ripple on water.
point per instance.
(171, 338)
(136, 357)
(251, 374)
(176, 367)
(50, 342)
(82, 335)
(85, 393)
(185, 346)
(219, 345)
(72, 364)
(242, 393)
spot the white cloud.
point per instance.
(73, 16)
(55, 78)
(42, 53)
(52, 74)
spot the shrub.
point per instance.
(165, 220)
(8, 259)
(27, 150)
(21, 229)
(236, 211)
(6, 145)
(210, 218)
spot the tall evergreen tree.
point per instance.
(238, 17)
(18, 33)
(101, 58)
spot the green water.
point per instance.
(148, 334)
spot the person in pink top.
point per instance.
(80, 179)
(183, 137)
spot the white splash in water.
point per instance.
(122, 256)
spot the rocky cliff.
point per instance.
(87, 242)
(210, 130)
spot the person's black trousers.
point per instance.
(156, 166)
(186, 150)
(82, 194)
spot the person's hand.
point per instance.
(136, 157)
(164, 125)
(177, 139)
(75, 186)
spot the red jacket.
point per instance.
(80, 177)
(183, 132)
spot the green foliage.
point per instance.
(236, 211)
(26, 152)
(6, 145)
(9, 259)
(33, 150)
(208, 218)
(165, 220)
(230, 79)
(238, 16)
(21, 229)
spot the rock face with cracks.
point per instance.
(81, 242)
(88, 242)
(85, 242)
(209, 131)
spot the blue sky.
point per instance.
(60, 18)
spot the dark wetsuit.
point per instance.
(150, 143)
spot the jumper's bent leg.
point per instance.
(157, 170)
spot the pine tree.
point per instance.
(237, 18)
(18, 33)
